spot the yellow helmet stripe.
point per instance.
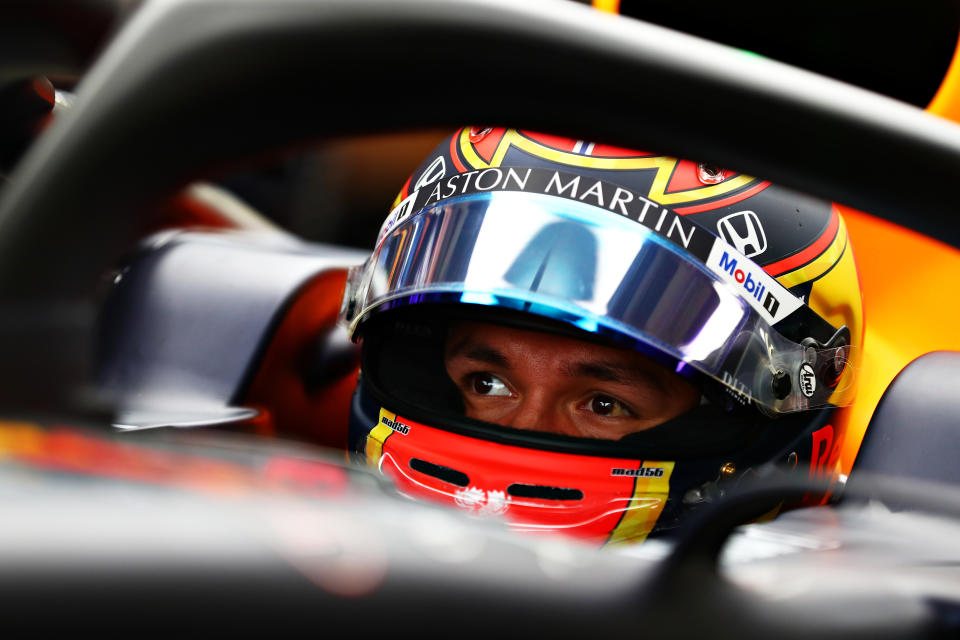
(647, 503)
(377, 438)
(819, 265)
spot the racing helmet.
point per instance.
(740, 295)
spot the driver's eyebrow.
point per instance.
(612, 372)
(479, 352)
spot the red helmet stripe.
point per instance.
(743, 195)
(560, 143)
(808, 254)
(454, 155)
(487, 147)
(406, 189)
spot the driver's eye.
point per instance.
(487, 384)
(607, 406)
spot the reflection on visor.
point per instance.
(574, 262)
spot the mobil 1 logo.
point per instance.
(751, 282)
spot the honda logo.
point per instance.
(744, 231)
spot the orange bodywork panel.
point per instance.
(946, 102)
(905, 310)
(903, 274)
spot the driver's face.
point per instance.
(541, 382)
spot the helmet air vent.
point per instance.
(543, 492)
(441, 473)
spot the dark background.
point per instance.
(901, 49)
(895, 48)
(339, 192)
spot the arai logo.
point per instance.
(808, 380)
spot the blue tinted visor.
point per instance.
(583, 265)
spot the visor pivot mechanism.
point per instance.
(830, 358)
(710, 174)
(781, 384)
(839, 360)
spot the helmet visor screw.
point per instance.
(839, 360)
(709, 174)
(781, 384)
(479, 133)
